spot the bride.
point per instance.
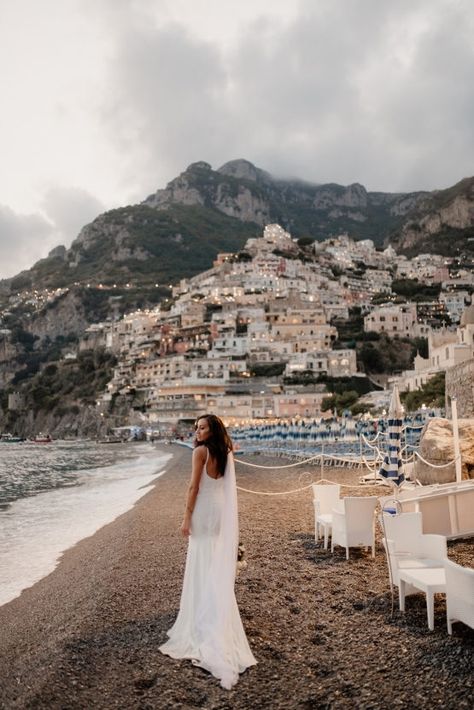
(208, 629)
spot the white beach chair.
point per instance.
(408, 547)
(459, 594)
(326, 497)
(353, 523)
(415, 560)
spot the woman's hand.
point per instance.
(186, 527)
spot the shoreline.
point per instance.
(87, 635)
(40, 528)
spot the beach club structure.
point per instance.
(416, 521)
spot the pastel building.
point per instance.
(395, 320)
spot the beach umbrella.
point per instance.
(350, 428)
(335, 429)
(277, 432)
(313, 431)
(318, 431)
(392, 467)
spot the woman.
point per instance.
(208, 629)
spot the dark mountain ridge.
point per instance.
(178, 231)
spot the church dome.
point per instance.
(467, 317)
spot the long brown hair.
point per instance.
(219, 442)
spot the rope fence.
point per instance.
(372, 466)
(303, 488)
(436, 465)
(322, 455)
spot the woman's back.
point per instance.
(209, 503)
(211, 468)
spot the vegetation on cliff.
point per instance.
(377, 353)
(432, 394)
(60, 388)
(78, 381)
(142, 246)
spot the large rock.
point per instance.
(437, 448)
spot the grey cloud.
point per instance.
(343, 106)
(23, 240)
(69, 209)
(168, 101)
(350, 91)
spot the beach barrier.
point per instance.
(371, 463)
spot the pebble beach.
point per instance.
(320, 627)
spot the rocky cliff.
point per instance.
(8, 354)
(177, 231)
(64, 316)
(245, 192)
(442, 222)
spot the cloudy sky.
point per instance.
(104, 101)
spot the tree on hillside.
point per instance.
(370, 359)
(432, 393)
(414, 290)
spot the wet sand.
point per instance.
(87, 635)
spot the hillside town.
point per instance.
(256, 335)
(238, 337)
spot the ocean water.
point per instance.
(53, 495)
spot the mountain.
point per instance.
(240, 190)
(178, 231)
(441, 222)
(127, 258)
(140, 244)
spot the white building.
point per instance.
(455, 303)
(394, 320)
(335, 363)
(308, 405)
(447, 348)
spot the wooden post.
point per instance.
(457, 448)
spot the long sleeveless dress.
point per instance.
(208, 629)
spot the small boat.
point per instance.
(42, 439)
(10, 439)
(111, 440)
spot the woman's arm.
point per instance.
(199, 458)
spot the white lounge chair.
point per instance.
(326, 497)
(416, 561)
(353, 523)
(459, 594)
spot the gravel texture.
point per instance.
(87, 635)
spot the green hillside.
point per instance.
(164, 246)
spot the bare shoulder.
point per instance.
(199, 454)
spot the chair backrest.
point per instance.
(460, 581)
(402, 528)
(359, 511)
(326, 496)
(406, 532)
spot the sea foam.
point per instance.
(36, 530)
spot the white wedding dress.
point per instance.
(208, 629)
